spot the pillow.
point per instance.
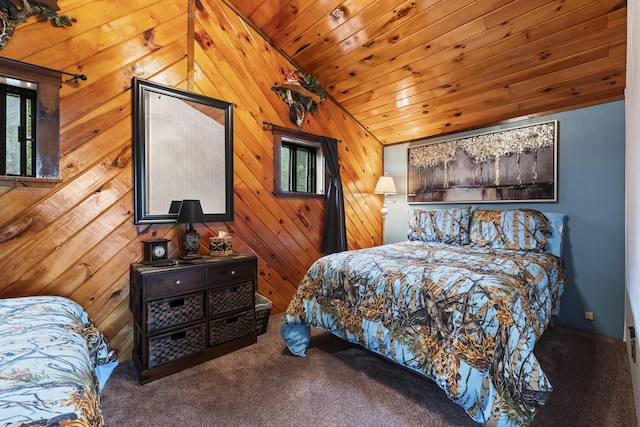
(440, 225)
(555, 239)
(519, 229)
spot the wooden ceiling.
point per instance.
(408, 70)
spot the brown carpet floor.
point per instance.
(339, 384)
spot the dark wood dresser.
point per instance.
(188, 313)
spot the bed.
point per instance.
(462, 302)
(53, 363)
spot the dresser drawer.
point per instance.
(174, 282)
(231, 273)
(168, 312)
(222, 300)
(177, 345)
(231, 327)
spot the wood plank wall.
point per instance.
(82, 237)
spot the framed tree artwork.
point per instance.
(517, 164)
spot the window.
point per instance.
(17, 141)
(299, 169)
(30, 122)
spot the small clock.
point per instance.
(155, 249)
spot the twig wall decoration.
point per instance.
(499, 166)
(11, 16)
(302, 92)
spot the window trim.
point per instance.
(47, 138)
(299, 138)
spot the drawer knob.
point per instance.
(178, 282)
(233, 272)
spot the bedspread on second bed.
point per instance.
(468, 318)
(53, 363)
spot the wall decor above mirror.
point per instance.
(11, 16)
(182, 149)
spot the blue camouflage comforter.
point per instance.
(53, 363)
(466, 317)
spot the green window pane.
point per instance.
(11, 134)
(285, 161)
(302, 170)
(30, 138)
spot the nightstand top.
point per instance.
(143, 268)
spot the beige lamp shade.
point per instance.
(385, 185)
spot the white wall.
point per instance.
(632, 127)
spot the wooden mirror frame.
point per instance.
(213, 185)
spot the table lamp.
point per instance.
(190, 212)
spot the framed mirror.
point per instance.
(182, 149)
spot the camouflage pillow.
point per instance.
(440, 225)
(519, 229)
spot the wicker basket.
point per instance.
(220, 246)
(263, 310)
(176, 345)
(230, 327)
(174, 311)
(232, 298)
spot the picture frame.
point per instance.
(506, 165)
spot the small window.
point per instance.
(299, 169)
(30, 123)
(17, 105)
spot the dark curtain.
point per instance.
(334, 234)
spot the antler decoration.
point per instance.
(303, 92)
(11, 17)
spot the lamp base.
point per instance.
(191, 244)
(384, 211)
